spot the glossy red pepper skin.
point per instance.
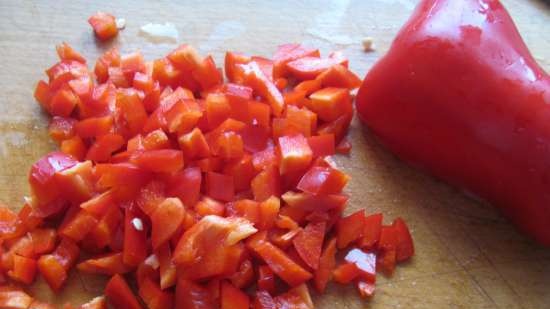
(459, 95)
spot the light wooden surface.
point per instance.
(467, 255)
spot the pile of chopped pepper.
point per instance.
(205, 193)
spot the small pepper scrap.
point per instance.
(199, 189)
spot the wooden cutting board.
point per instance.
(468, 256)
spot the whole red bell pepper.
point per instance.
(459, 95)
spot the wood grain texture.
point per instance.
(468, 255)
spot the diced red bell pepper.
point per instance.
(310, 67)
(107, 264)
(268, 212)
(338, 127)
(63, 102)
(309, 202)
(104, 232)
(266, 184)
(61, 128)
(405, 246)
(322, 181)
(43, 94)
(104, 25)
(256, 79)
(327, 263)
(167, 268)
(43, 240)
(52, 271)
(194, 145)
(110, 58)
(371, 232)
(217, 109)
(232, 73)
(41, 177)
(309, 243)
(322, 145)
(74, 147)
(233, 298)
(287, 53)
(185, 185)
(153, 296)
(386, 261)
(94, 126)
(350, 228)
(365, 262)
(163, 160)
(77, 224)
(244, 276)
(24, 269)
(266, 279)
(130, 113)
(242, 170)
(165, 220)
(301, 119)
(346, 273)
(295, 153)
(220, 186)
(330, 103)
(228, 146)
(119, 294)
(66, 52)
(190, 295)
(281, 264)
(104, 147)
(208, 206)
(339, 76)
(135, 237)
(210, 233)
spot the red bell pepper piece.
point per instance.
(371, 232)
(492, 100)
(43, 240)
(327, 262)
(41, 177)
(194, 145)
(164, 160)
(350, 228)
(405, 246)
(365, 262)
(266, 279)
(190, 295)
(322, 145)
(323, 180)
(153, 296)
(24, 269)
(165, 220)
(119, 294)
(233, 298)
(281, 264)
(220, 186)
(288, 52)
(256, 79)
(309, 202)
(135, 236)
(295, 153)
(266, 184)
(309, 243)
(108, 264)
(104, 25)
(167, 268)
